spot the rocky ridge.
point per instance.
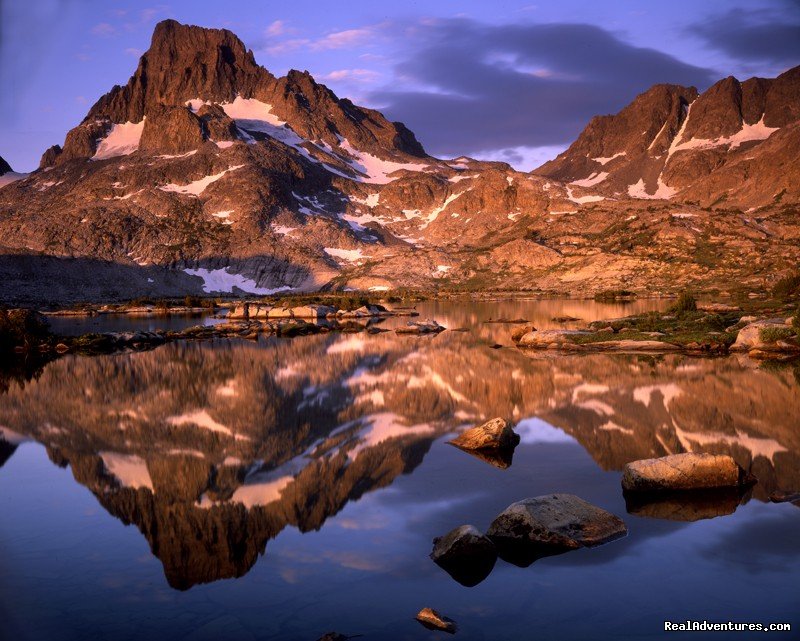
(227, 179)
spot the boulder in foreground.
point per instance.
(689, 471)
(432, 620)
(551, 524)
(496, 434)
(465, 554)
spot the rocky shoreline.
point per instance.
(716, 329)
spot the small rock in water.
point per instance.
(687, 471)
(427, 326)
(432, 620)
(333, 636)
(552, 524)
(465, 554)
(496, 434)
(519, 332)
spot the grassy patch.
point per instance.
(775, 334)
(787, 287)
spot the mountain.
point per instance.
(205, 173)
(737, 142)
(4, 166)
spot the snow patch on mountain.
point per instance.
(592, 180)
(198, 186)
(10, 177)
(748, 133)
(222, 281)
(373, 169)
(583, 199)
(121, 140)
(350, 255)
(663, 191)
(605, 160)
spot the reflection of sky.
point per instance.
(367, 571)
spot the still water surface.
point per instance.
(287, 488)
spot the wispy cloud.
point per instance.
(345, 39)
(352, 75)
(278, 28)
(104, 30)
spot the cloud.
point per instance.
(133, 51)
(284, 47)
(347, 39)
(104, 30)
(760, 35)
(277, 28)
(486, 89)
(351, 75)
(524, 158)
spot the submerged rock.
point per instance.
(687, 471)
(551, 524)
(432, 620)
(496, 434)
(465, 554)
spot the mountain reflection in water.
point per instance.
(211, 450)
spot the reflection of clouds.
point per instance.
(761, 538)
(365, 522)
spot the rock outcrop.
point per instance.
(496, 434)
(432, 620)
(4, 166)
(688, 471)
(551, 524)
(465, 554)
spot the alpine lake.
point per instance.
(281, 489)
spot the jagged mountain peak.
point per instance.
(670, 138)
(184, 62)
(167, 106)
(4, 166)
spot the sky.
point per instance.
(502, 80)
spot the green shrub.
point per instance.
(775, 334)
(686, 303)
